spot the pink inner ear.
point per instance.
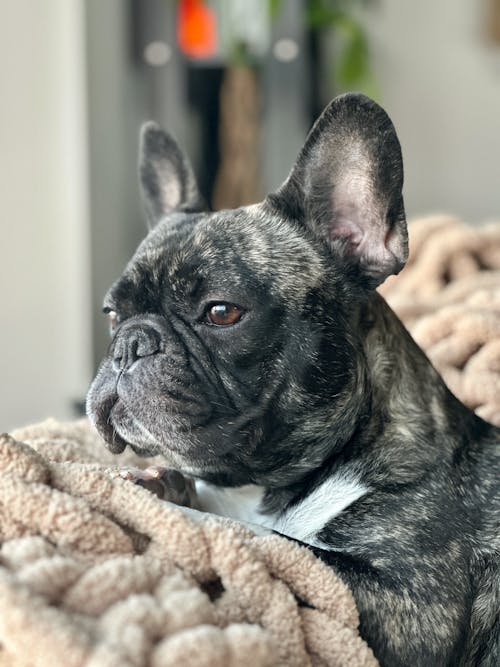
(361, 219)
(379, 251)
(369, 246)
(353, 205)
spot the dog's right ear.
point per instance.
(346, 187)
(166, 176)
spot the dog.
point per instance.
(251, 350)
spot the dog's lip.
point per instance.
(114, 442)
(117, 439)
(116, 445)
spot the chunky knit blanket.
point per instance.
(98, 572)
(448, 295)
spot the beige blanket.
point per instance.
(97, 572)
(448, 296)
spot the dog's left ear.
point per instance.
(346, 186)
(166, 176)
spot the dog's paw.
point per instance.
(165, 483)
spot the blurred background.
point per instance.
(239, 83)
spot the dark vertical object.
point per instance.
(315, 71)
(203, 96)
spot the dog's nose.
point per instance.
(132, 343)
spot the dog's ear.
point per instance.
(166, 177)
(346, 186)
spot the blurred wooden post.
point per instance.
(494, 21)
(238, 181)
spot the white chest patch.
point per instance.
(241, 502)
(306, 519)
(302, 521)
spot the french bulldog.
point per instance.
(251, 350)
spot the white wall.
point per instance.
(439, 78)
(44, 282)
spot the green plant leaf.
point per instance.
(274, 8)
(351, 68)
(353, 61)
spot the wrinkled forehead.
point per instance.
(253, 242)
(239, 249)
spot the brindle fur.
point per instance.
(319, 376)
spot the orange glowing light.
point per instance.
(196, 29)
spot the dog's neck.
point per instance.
(410, 404)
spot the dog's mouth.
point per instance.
(150, 422)
(191, 431)
(119, 428)
(175, 438)
(181, 452)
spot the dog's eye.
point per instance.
(112, 318)
(224, 314)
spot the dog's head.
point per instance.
(234, 346)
